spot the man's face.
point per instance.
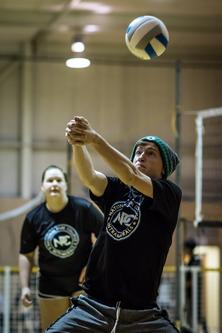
(148, 160)
(54, 184)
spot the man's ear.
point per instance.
(163, 173)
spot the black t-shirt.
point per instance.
(127, 261)
(64, 242)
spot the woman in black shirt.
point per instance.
(61, 228)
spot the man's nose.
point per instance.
(141, 157)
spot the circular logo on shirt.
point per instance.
(123, 219)
(61, 240)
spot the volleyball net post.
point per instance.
(208, 130)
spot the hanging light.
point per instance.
(77, 46)
(78, 62)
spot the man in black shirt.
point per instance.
(62, 229)
(193, 260)
(140, 209)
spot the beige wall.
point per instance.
(10, 233)
(124, 102)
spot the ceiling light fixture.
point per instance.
(77, 45)
(91, 28)
(77, 61)
(92, 6)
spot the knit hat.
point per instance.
(168, 155)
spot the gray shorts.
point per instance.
(88, 315)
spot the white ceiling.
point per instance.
(195, 26)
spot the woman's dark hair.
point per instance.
(52, 166)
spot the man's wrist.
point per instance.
(96, 138)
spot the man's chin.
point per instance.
(142, 168)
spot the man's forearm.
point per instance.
(122, 167)
(79, 131)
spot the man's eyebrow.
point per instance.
(147, 147)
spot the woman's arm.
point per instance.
(25, 269)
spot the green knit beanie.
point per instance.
(168, 155)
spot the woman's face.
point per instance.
(54, 183)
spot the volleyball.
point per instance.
(147, 37)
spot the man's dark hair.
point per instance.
(52, 166)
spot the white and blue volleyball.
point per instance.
(147, 37)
